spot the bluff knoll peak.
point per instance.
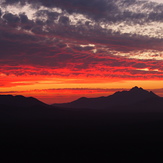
(118, 99)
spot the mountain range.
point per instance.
(132, 98)
(136, 99)
(125, 124)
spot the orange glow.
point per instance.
(62, 89)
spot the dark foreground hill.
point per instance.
(33, 133)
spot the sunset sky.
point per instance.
(60, 50)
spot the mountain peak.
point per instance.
(141, 91)
(136, 88)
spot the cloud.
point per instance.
(109, 38)
(103, 15)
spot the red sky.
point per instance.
(60, 51)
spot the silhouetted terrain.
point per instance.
(19, 101)
(118, 100)
(32, 131)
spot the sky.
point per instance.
(60, 50)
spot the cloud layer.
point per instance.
(95, 38)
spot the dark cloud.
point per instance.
(64, 20)
(11, 19)
(140, 65)
(82, 6)
(108, 9)
(54, 39)
(156, 16)
(23, 19)
(103, 9)
(12, 1)
(22, 2)
(51, 15)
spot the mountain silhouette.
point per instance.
(32, 129)
(20, 101)
(118, 99)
